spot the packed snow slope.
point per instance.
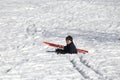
(25, 24)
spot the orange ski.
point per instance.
(62, 46)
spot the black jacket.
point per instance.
(70, 48)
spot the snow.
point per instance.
(25, 24)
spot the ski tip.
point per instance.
(82, 51)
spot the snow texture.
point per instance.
(25, 24)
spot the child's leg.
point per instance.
(59, 51)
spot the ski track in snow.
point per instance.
(87, 71)
(25, 24)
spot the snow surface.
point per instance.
(25, 24)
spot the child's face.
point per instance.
(68, 41)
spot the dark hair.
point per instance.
(69, 38)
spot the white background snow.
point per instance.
(25, 24)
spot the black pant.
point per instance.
(59, 51)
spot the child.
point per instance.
(69, 48)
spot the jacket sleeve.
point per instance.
(65, 49)
(73, 49)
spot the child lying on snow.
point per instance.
(69, 48)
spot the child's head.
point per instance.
(69, 39)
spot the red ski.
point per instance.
(62, 46)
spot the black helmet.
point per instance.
(69, 38)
